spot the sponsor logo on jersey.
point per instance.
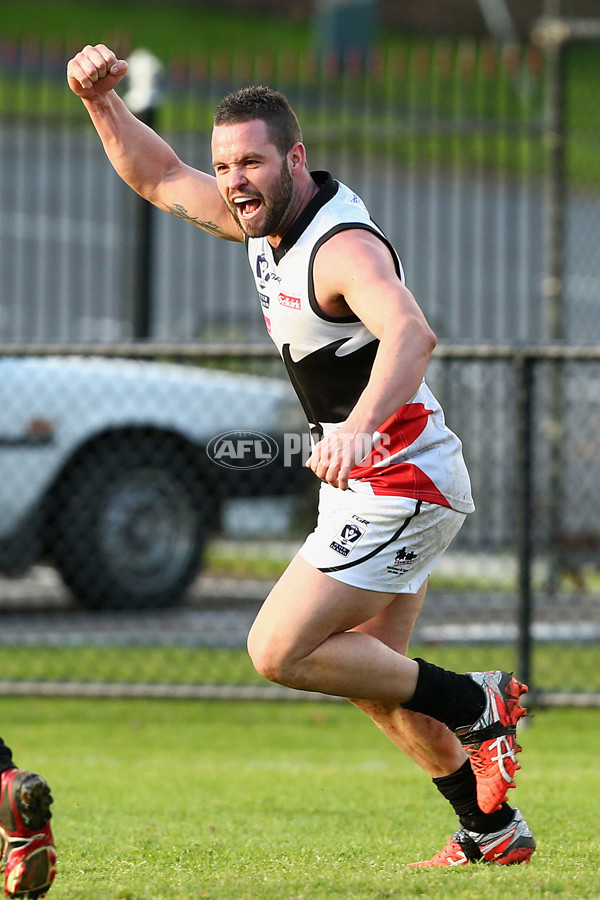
(264, 299)
(347, 538)
(402, 561)
(291, 302)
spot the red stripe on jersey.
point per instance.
(398, 432)
(403, 479)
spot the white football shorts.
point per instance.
(379, 543)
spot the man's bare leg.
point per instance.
(303, 637)
(316, 633)
(425, 740)
(436, 750)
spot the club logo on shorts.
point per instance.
(347, 537)
(402, 561)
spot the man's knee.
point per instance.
(269, 657)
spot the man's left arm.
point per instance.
(355, 270)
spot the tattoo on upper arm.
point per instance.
(181, 212)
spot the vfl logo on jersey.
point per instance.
(262, 271)
(262, 267)
(402, 561)
(347, 538)
(291, 302)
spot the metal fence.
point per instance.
(478, 162)
(131, 344)
(445, 143)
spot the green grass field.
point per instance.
(229, 801)
(167, 29)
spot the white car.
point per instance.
(115, 469)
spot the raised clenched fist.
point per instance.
(94, 71)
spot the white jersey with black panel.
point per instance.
(329, 360)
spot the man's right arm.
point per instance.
(139, 155)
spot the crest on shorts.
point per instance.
(402, 561)
(347, 537)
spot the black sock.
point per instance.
(446, 696)
(6, 760)
(460, 791)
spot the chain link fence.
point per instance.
(151, 478)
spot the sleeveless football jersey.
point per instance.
(329, 359)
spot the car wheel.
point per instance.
(130, 523)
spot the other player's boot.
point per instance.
(491, 741)
(510, 845)
(28, 857)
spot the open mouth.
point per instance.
(247, 207)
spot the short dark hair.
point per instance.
(259, 102)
